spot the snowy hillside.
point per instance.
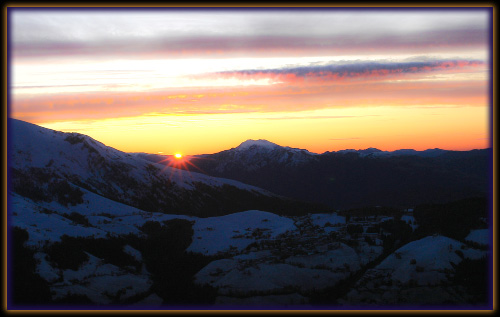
(236, 231)
(480, 236)
(432, 257)
(99, 226)
(47, 222)
(100, 218)
(416, 273)
(74, 154)
(47, 165)
(261, 258)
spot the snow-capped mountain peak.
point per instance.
(257, 143)
(254, 154)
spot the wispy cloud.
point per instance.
(273, 98)
(340, 72)
(309, 117)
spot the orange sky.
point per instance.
(319, 80)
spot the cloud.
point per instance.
(340, 72)
(220, 33)
(312, 117)
(272, 98)
(248, 45)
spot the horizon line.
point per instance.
(260, 139)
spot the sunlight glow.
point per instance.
(387, 128)
(207, 81)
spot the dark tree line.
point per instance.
(173, 269)
(454, 219)
(41, 184)
(28, 288)
(163, 249)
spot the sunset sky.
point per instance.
(200, 81)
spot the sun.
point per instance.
(177, 162)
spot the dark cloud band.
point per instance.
(352, 70)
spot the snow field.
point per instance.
(211, 235)
(41, 226)
(480, 236)
(99, 281)
(342, 259)
(322, 219)
(408, 219)
(232, 276)
(219, 234)
(432, 255)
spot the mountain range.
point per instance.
(350, 178)
(90, 226)
(45, 164)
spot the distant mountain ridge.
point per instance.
(262, 144)
(376, 152)
(257, 152)
(351, 178)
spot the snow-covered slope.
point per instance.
(80, 155)
(265, 257)
(47, 222)
(51, 165)
(415, 273)
(432, 256)
(100, 282)
(233, 277)
(236, 231)
(100, 218)
(479, 236)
